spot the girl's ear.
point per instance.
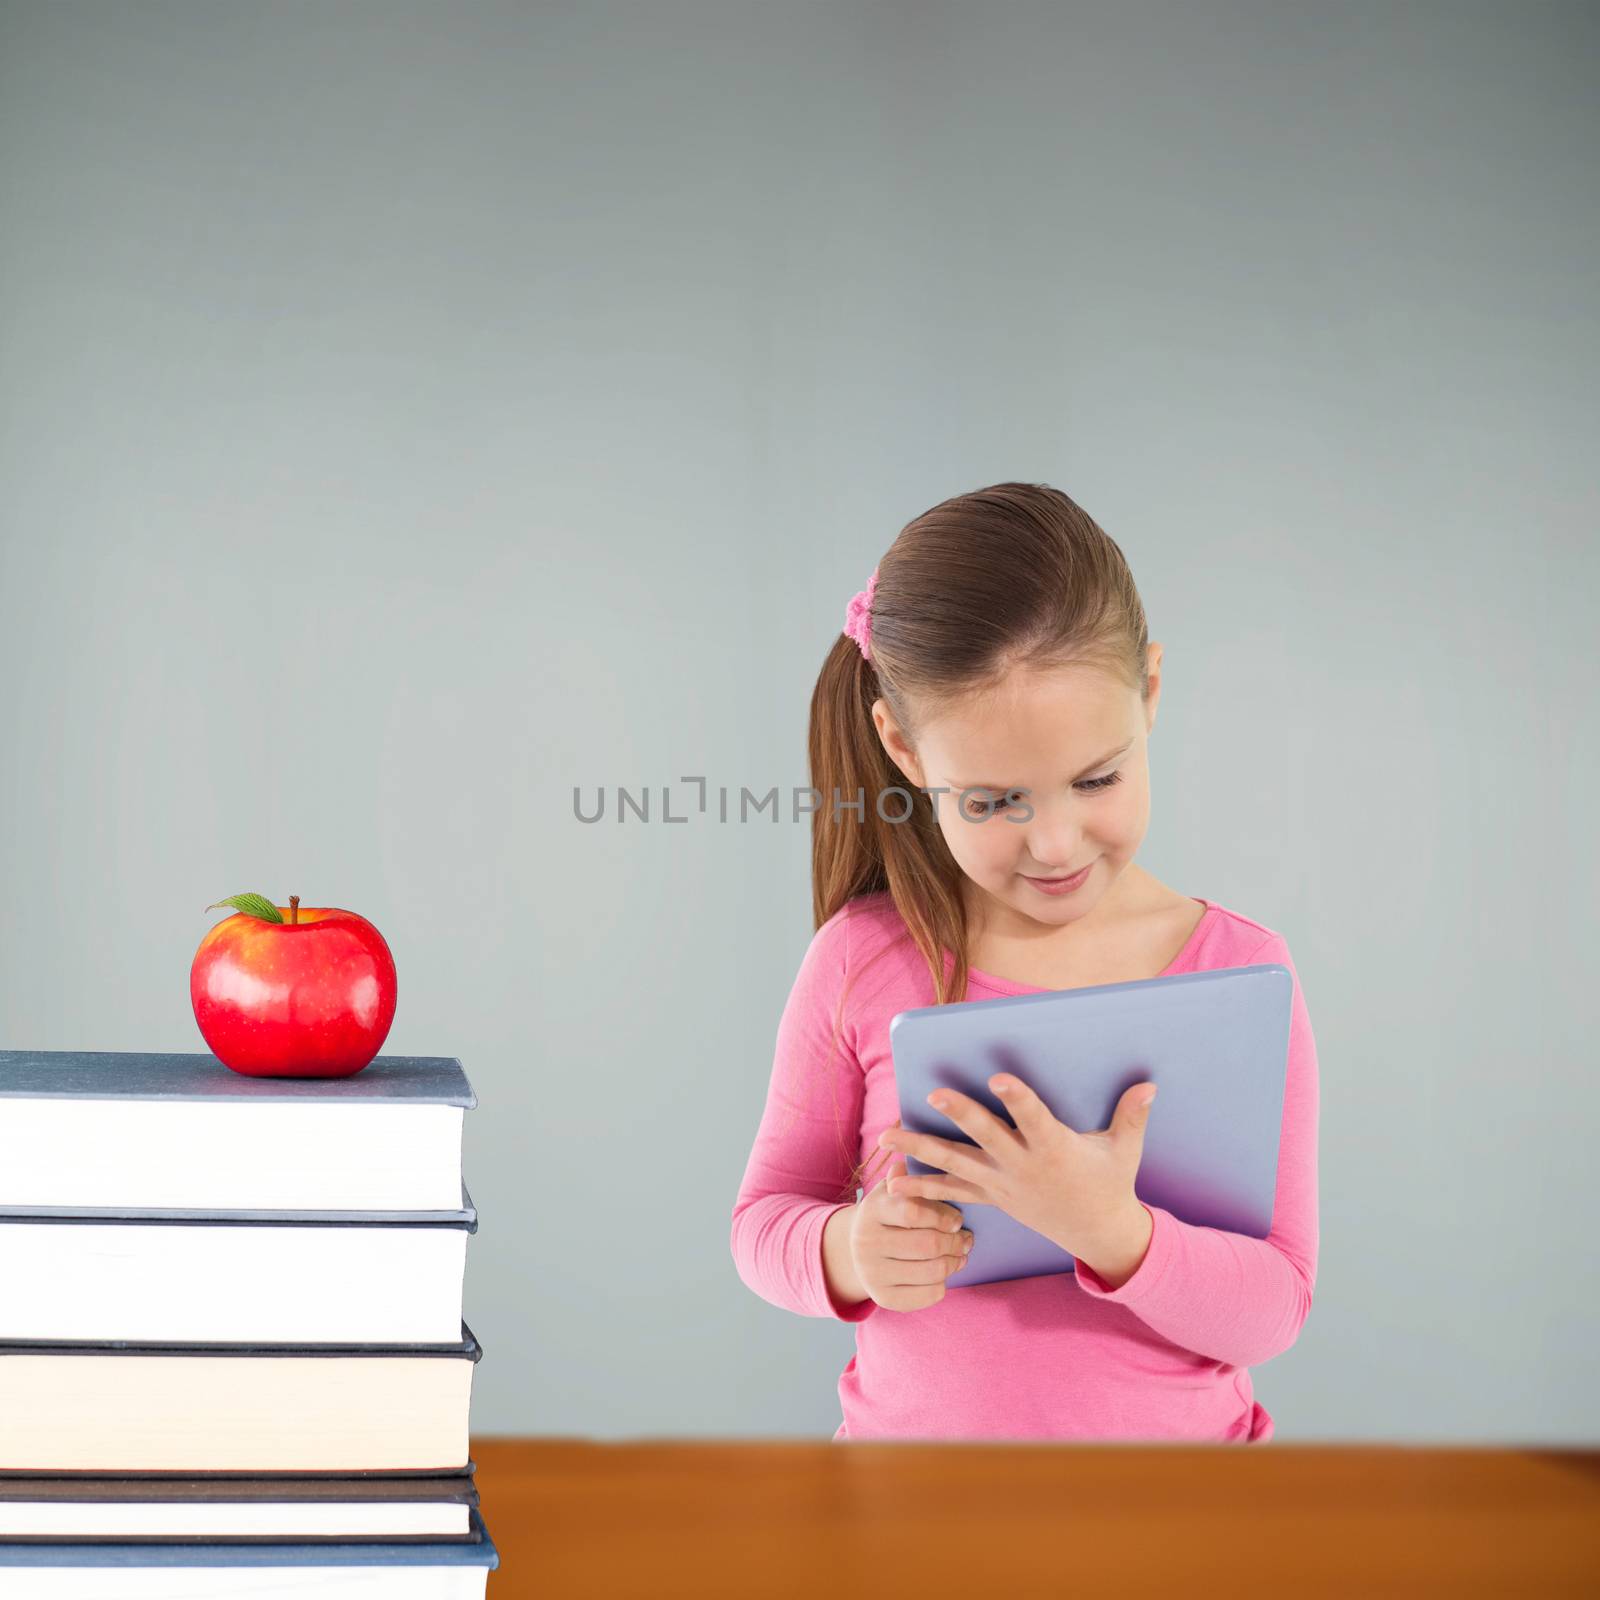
(894, 744)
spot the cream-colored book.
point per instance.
(240, 1408)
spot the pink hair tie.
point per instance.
(858, 617)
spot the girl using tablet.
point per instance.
(979, 750)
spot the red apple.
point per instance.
(307, 995)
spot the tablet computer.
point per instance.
(1215, 1043)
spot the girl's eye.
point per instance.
(979, 809)
(992, 808)
(1101, 783)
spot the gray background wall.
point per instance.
(411, 412)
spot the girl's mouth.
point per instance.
(1060, 885)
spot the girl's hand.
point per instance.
(1074, 1188)
(904, 1249)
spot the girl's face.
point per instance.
(1042, 777)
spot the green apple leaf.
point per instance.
(253, 905)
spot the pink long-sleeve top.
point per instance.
(1165, 1356)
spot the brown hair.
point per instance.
(1014, 575)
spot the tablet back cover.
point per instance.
(1216, 1044)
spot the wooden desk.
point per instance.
(576, 1517)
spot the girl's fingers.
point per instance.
(903, 1213)
(916, 1273)
(970, 1161)
(987, 1130)
(936, 1186)
(921, 1244)
(1034, 1119)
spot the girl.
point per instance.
(979, 739)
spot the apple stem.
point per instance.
(294, 909)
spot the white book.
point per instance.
(236, 1408)
(274, 1278)
(121, 1130)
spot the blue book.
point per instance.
(134, 1132)
(403, 1570)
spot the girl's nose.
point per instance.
(1055, 847)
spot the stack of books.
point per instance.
(231, 1333)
